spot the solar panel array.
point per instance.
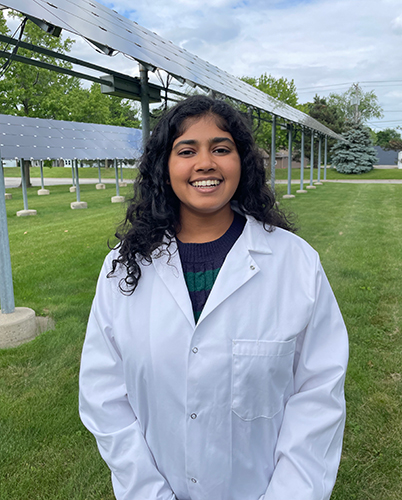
(39, 139)
(116, 33)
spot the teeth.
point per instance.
(206, 183)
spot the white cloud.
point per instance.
(317, 43)
(397, 25)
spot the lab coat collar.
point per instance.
(256, 239)
(239, 267)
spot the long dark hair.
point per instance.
(152, 217)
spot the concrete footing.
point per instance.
(43, 192)
(122, 184)
(100, 185)
(288, 196)
(17, 327)
(78, 204)
(25, 213)
(21, 326)
(318, 183)
(311, 187)
(72, 189)
(118, 199)
(8, 196)
(299, 191)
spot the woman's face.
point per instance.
(204, 168)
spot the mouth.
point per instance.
(208, 183)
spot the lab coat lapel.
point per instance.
(239, 266)
(171, 273)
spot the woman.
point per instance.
(215, 355)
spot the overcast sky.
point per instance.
(323, 45)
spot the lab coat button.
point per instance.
(193, 416)
(193, 479)
(252, 268)
(195, 350)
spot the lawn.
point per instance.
(65, 173)
(280, 173)
(45, 452)
(332, 174)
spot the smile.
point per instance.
(208, 183)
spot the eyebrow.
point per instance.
(192, 142)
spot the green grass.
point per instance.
(280, 173)
(358, 232)
(332, 174)
(65, 173)
(46, 454)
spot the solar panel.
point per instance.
(105, 27)
(24, 137)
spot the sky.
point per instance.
(323, 45)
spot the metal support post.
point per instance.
(24, 185)
(121, 170)
(77, 204)
(99, 172)
(302, 161)
(117, 177)
(144, 105)
(73, 171)
(42, 182)
(312, 158)
(302, 190)
(273, 151)
(6, 282)
(290, 145)
(325, 157)
(319, 161)
(77, 180)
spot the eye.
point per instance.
(221, 150)
(186, 152)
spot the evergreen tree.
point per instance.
(356, 154)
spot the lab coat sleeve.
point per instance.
(309, 445)
(106, 411)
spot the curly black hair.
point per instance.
(152, 219)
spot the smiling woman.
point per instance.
(204, 172)
(215, 354)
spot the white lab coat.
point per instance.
(248, 404)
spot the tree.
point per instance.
(3, 25)
(356, 106)
(327, 114)
(383, 137)
(279, 88)
(30, 91)
(356, 154)
(91, 106)
(282, 89)
(394, 145)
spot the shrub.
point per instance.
(356, 154)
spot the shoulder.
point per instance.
(278, 239)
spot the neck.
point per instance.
(201, 228)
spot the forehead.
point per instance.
(203, 126)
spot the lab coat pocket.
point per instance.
(262, 372)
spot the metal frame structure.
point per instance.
(40, 139)
(110, 33)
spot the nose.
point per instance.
(205, 161)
